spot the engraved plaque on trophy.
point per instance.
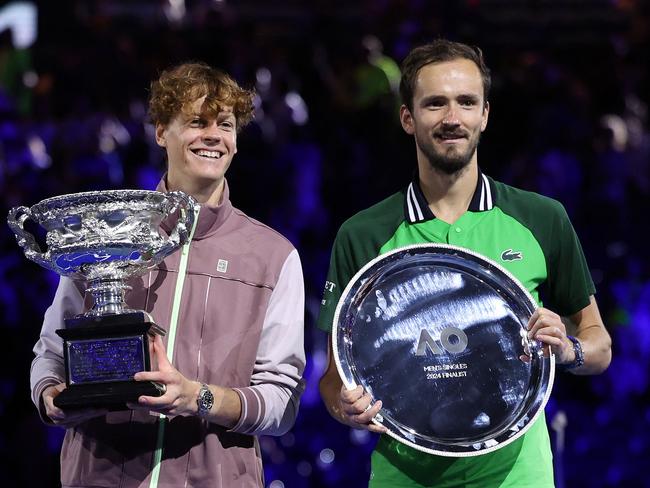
(103, 238)
(438, 334)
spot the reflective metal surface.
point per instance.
(104, 237)
(438, 334)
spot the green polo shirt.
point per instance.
(528, 234)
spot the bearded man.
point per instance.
(444, 89)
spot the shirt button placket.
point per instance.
(455, 236)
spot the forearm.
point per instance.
(330, 389)
(251, 410)
(226, 409)
(594, 339)
(352, 407)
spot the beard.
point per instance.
(452, 160)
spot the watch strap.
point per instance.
(579, 356)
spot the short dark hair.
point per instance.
(439, 51)
(178, 87)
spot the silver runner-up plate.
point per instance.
(438, 334)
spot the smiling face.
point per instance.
(199, 149)
(448, 115)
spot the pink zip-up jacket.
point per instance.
(240, 325)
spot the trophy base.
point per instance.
(113, 395)
(101, 355)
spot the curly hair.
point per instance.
(438, 51)
(178, 87)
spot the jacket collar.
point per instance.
(416, 207)
(210, 217)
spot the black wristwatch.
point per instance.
(579, 359)
(205, 400)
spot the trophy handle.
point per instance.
(180, 233)
(16, 220)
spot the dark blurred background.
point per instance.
(569, 119)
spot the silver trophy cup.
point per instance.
(103, 238)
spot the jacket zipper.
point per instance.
(171, 340)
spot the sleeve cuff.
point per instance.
(38, 396)
(252, 410)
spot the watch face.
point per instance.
(205, 400)
(439, 335)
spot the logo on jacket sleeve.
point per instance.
(222, 266)
(510, 255)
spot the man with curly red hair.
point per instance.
(231, 301)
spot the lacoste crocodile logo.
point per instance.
(510, 255)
